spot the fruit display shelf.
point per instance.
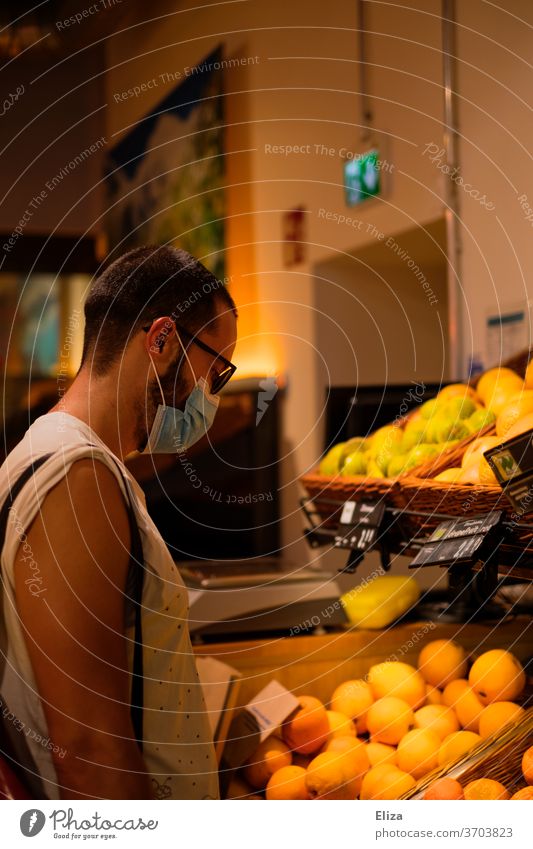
(497, 758)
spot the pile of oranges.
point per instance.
(381, 734)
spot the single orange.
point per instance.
(287, 783)
(497, 676)
(456, 745)
(340, 725)
(497, 715)
(418, 752)
(380, 753)
(527, 765)
(388, 720)
(468, 709)
(401, 680)
(352, 698)
(438, 718)
(444, 788)
(526, 793)
(442, 661)
(270, 755)
(452, 691)
(330, 776)
(307, 729)
(487, 789)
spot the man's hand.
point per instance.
(74, 631)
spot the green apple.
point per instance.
(420, 454)
(396, 465)
(449, 428)
(429, 408)
(480, 419)
(354, 464)
(460, 408)
(329, 465)
(356, 443)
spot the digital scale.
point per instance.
(247, 598)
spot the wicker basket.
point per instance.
(415, 489)
(498, 757)
(322, 489)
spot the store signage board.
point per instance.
(359, 525)
(362, 179)
(512, 463)
(459, 540)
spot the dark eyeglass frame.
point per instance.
(220, 379)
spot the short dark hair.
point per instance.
(145, 284)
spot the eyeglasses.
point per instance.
(222, 377)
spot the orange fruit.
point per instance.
(340, 725)
(527, 765)
(386, 782)
(490, 378)
(287, 783)
(497, 676)
(522, 426)
(418, 752)
(355, 756)
(307, 729)
(444, 788)
(486, 788)
(455, 390)
(371, 781)
(495, 716)
(433, 695)
(452, 691)
(352, 698)
(272, 754)
(523, 794)
(380, 753)
(442, 661)
(389, 719)
(502, 393)
(468, 709)
(438, 718)
(518, 406)
(330, 776)
(457, 744)
(476, 449)
(393, 678)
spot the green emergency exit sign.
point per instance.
(362, 177)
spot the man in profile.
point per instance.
(160, 331)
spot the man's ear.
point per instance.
(158, 334)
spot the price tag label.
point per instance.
(359, 525)
(459, 540)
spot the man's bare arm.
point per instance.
(74, 631)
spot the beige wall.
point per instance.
(495, 81)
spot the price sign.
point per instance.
(460, 540)
(359, 525)
(512, 463)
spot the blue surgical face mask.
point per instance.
(175, 430)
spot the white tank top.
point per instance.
(178, 748)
